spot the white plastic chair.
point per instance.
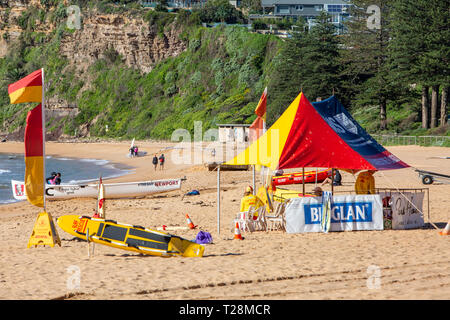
(245, 220)
(260, 222)
(276, 221)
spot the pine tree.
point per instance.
(419, 49)
(319, 65)
(284, 83)
(308, 62)
(366, 76)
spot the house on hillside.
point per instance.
(237, 133)
(308, 9)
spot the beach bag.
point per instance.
(203, 237)
(193, 193)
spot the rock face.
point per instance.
(9, 30)
(139, 44)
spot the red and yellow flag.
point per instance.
(261, 109)
(258, 127)
(34, 157)
(28, 89)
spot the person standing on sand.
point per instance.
(161, 161)
(155, 161)
(365, 183)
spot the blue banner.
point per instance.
(340, 212)
(348, 212)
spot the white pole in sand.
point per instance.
(254, 181)
(218, 200)
(88, 244)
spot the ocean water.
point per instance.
(12, 167)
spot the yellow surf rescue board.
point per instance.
(129, 237)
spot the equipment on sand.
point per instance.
(112, 190)
(446, 230)
(189, 222)
(237, 232)
(326, 211)
(281, 194)
(297, 177)
(429, 177)
(129, 237)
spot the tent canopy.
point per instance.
(322, 134)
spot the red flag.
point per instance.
(261, 109)
(34, 157)
(258, 127)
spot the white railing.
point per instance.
(411, 140)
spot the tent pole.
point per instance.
(303, 180)
(254, 181)
(332, 180)
(218, 200)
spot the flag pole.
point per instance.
(43, 135)
(218, 200)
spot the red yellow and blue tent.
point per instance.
(320, 134)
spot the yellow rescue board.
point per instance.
(285, 194)
(129, 237)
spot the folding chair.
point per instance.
(245, 220)
(276, 221)
(260, 222)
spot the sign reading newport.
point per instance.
(348, 212)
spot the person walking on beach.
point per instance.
(161, 161)
(51, 179)
(155, 161)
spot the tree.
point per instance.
(366, 76)
(252, 6)
(284, 83)
(319, 65)
(307, 62)
(220, 11)
(444, 104)
(419, 49)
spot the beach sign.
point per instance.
(44, 231)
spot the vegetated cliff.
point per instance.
(136, 43)
(136, 73)
(10, 13)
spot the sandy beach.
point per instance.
(413, 264)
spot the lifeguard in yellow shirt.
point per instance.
(365, 183)
(249, 200)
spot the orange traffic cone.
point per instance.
(446, 231)
(189, 222)
(237, 232)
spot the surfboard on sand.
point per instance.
(129, 237)
(326, 211)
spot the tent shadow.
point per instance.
(440, 225)
(222, 255)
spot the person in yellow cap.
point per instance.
(249, 200)
(365, 183)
